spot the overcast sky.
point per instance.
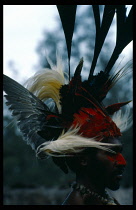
(23, 28)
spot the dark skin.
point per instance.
(97, 173)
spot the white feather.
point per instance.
(123, 120)
(46, 83)
(70, 143)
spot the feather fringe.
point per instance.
(46, 83)
(123, 120)
(70, 143)
(127, 68)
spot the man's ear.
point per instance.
(84, 160)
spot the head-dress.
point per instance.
(78, 119)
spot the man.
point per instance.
(97, 169)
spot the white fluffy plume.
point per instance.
(70, 143)
(46, 83)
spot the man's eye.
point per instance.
(111, 154)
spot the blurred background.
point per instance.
(30, 33)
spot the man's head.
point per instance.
(100, 167)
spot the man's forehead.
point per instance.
(118, 145)
(112, 140)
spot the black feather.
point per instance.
(61, 163)
(124, 34)
(101, 32)
(30, 112)
(67, 14)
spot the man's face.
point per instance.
(107, 168)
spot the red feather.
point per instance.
(93, 123)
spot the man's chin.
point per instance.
(114, 186)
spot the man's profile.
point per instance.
(95, 171)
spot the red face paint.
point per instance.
(118, 158)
